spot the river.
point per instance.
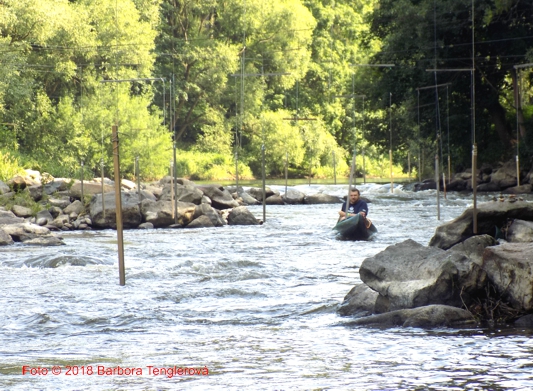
(237, 307)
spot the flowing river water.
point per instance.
(252, 306)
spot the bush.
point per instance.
(9, 166)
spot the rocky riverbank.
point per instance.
(489, 178)
(35, 205)
(460, 278)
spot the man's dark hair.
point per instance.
(352, 189)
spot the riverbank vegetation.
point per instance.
(304, 80)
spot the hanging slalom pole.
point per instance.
(390, 150)
(334, 169)
(118, 207)
(81, 179)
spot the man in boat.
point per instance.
(356, 205)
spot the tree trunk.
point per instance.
(497, 114)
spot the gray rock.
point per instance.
(4, 188)
(525, 321)
(510, 268)
(185, 193)
(211, 213)
(55, 211)
(275, 199)
(156, 191)
(41, 221)
(60, 221)
(201, 222)
(21, 211)
(487, 187)
(520, 231)
(425, 317)
(360, 301)
(8, 217)
(60, 202)
(522, 189)
(45, 241)
(490, 215)
(148, 195)
(409, 275)
(456, 185)
(5, 239)
(141, 226)
(131, 214)
(505, 176)
(321, 198)
(44, 214)
(247, 199)
(22, 232)
(474, 247)
(58, 184)
(182, 181)
(293, 197)
(257, 193)
(220, 198)
(35, 191)
(159, 213)
(76, 207)
(241, 216)
(90, 189)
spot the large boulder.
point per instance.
(212, 214)
(76, 207)
(505, 176)
(360, 301)
(520, 231)
(21, 211)
(89, 189)
(522, 189)
(184, 193)
(321, 198)
(56, 185)
(247, 199)
(43, 217)
(201, 222)
(159, 213)
(426, 317)
(32, 234)
(241, 216)
(257, 193)
(220, 197)
(5, 239)
(35, 192)
(456, 184)
(490, 215)
(61, 201)
(474, 247)
(131, 214)
(49, 240)
(275, 199)
(510, 268)
(409, 275)
(293, 196)
(8, 217)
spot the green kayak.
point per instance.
(354, 228)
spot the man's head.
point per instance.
(354, 195)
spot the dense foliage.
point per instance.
(227, 78)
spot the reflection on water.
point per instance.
(255, 305)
